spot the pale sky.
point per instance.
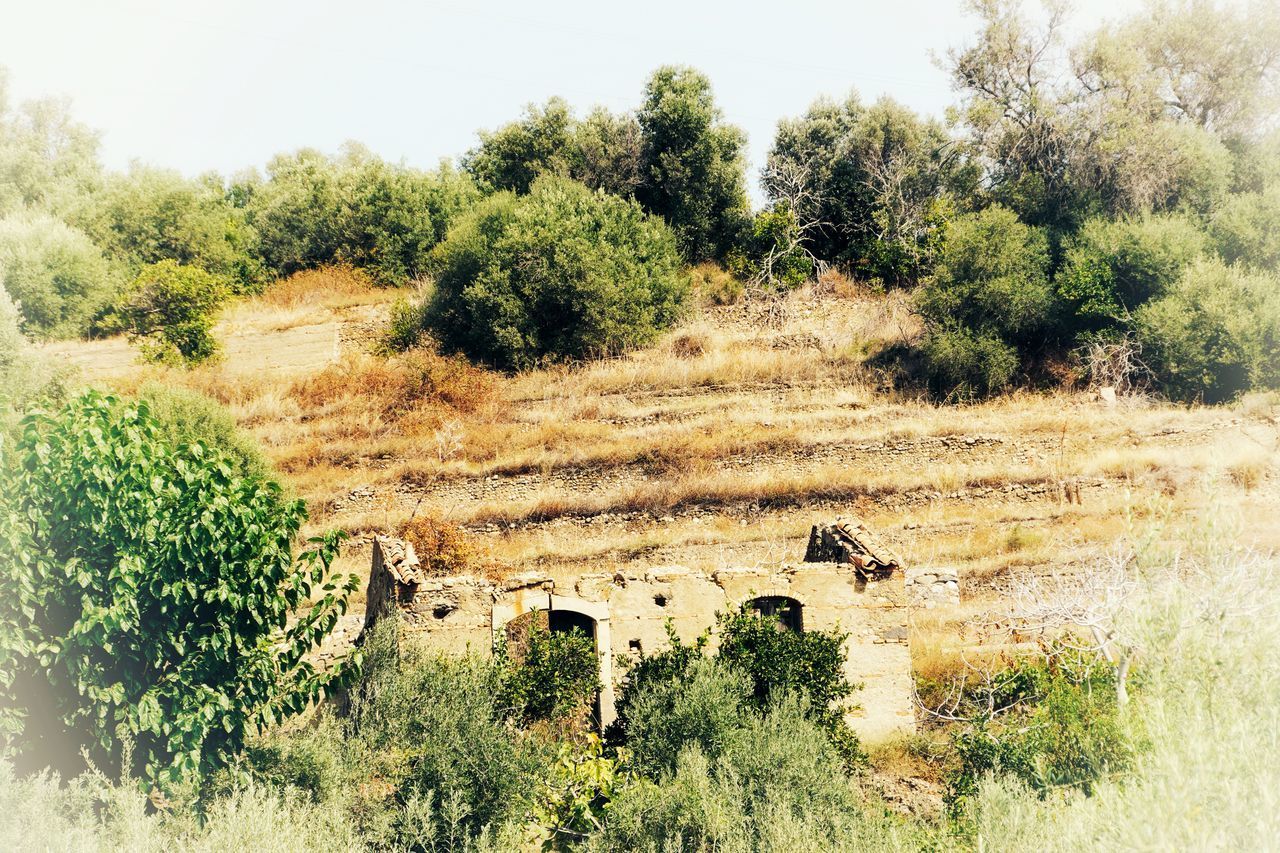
(224, 84)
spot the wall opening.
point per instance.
(789, 612)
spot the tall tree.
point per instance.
(694, 168)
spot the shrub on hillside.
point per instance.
(1215, 334)
(555, 675)
(993, 276)
(963, 364)
(170, 309)
(713, 285)
(185, 417)
(355, 209)
(147, 598)
(1111, 267)
(24, 377)
(55, 274)
(1247, 229)
(150, 215)
(558, 274)
(987, 304)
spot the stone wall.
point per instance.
(631, 610)
(932, 587)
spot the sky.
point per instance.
(224, 84)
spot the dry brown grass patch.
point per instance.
(321, 286)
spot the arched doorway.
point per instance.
(788, 611)
(560, 613)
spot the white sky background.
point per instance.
(224, 84)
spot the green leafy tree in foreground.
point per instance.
(152, 613)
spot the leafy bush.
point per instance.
(553, 675)
(808, 664)
(147, 592)
(558, 274)
(1110, 267)
(1245, 229)
(993, 276)
(699, 707)
(355, 209)
(1072, 737)
(151, 215)
(427, 727)
(55, 274)
(184, 417)
(1215, 334)
(872, 179)
(516, 154)
(963, 364)
(24, 377)
(987, 304)
(170, 309)
(774, 252)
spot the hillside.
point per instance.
(719, 446)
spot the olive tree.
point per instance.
(558, 274)
(152, 611)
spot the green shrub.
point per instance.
(699, 707)
(992, 276)
(146, 596)
(774, 252)
(961, 364)
(1110, 267)
(425, 726)
(25, 378)
(1072, 737)
(353, 209)
(170, 309)
(55, 274)
(1246, 226)
(1215, 334)
(151, 215)
(556, 675)
(185, 417)
(560, 273)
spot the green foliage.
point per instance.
(699, 707)
(1110, 267)
(963, 364)
(428, 728)
(25, 378)
(47, 160)
(776, 783)
(352, 209)
(808, 664)
(558, 274)
(992, 276)
(513, 156)
(692, 164)
(874, 180)
(170, 309)
(775, 254)
(185, 417)
(1215, 334)
(987, 304)
(577, 797)
(1246, 226)
(151, 215)
(147, 597)
(55, 274)
(557, 675)
(1072, 737)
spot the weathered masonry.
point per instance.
(848, 581)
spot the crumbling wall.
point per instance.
(631, 611)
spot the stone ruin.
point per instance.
(848, 580)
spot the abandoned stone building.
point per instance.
(848, 581)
